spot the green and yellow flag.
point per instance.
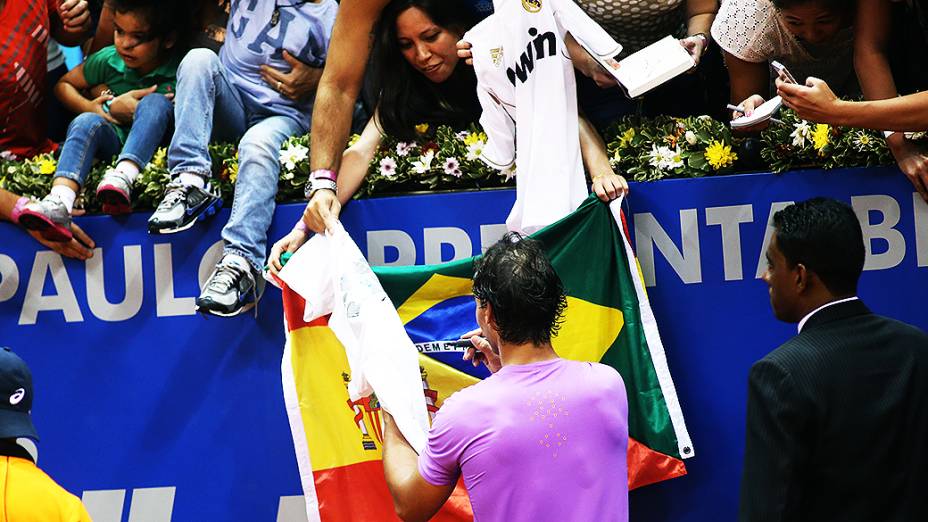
(608, 319)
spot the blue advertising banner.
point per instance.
(152, 413)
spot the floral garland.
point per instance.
(648, 150)
(442, 158)
(439, 158)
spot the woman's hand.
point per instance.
(80, 246)
(289, 243)
(912, 161)
(752, 102)
(609, 186)
(695, 45)
(814, 101)
(465, 53)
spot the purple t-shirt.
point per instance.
(536, 442)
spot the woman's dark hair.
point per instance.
(405, 97)
(166, 18)
(516, 278)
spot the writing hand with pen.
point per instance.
(479, 350)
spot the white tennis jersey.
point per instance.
(331, 274)
(528, 94)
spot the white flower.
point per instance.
(690, 137)
(403, 148)
(461, 135)
(665, 158)
(451, 165)
(424, 163)
(802, 132)
(388, 167)
(7, 156)
(474, 150)
(293, 155)
(863, 140)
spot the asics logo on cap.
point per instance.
(17, 396)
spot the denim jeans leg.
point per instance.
(153, 116)
(253, 205)
(204, 102)
(89, 136)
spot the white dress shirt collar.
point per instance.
(824, 306)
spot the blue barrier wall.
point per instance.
(144, 407)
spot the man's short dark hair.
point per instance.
(527, 295)
(825, 236)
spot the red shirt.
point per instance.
(24, 34)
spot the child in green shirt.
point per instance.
(129, 118)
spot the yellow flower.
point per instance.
(353, 139)
(47, 165)
(422, 128)
(720, 155)
(626, 138)
(160, 159)
(472, 138)
(820, 137)
(233, 171)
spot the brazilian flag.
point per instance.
(339, 442)
(608, 319)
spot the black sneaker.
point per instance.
(180, 208)
(231, 289)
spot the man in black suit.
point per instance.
(837, 420)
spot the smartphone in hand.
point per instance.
(780, 70)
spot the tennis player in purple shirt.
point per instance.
(543, 438)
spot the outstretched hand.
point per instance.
(79, 247)
(814, 101)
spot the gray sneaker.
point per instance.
(48, 217)
(181, 207)
(231, 289)
(115, 193)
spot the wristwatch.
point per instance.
(315, 184)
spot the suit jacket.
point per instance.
(837, 423)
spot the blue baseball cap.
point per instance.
(15, 397)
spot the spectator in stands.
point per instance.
(884, 110)
(418, 77)
(140, 72)
(636, 24)
(80, 246)
(28, 493)
(810, 37)
(486, 433)
(227, 97)
(26, 26)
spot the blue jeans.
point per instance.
(208, 107)
(90, 136)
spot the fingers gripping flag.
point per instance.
(608, 319)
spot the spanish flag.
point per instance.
(608, 319)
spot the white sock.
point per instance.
(128, 169)
(187, 179)
(64, 194)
